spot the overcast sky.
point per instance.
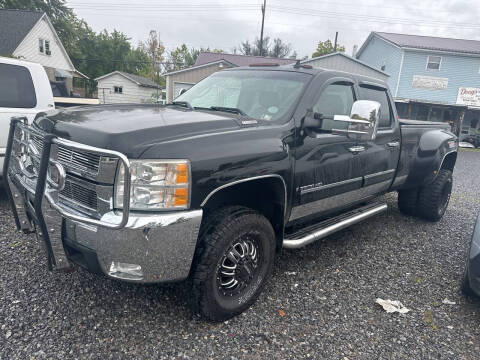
(224, 24)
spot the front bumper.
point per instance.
(126, 245)
(162, 245)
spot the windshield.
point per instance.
(262, 95)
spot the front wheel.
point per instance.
(234, 258)
(433, 199)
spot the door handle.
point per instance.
(356, 149)
(393, 144)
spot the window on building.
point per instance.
(433, 62)
(336, 99)
(380, 95)
(118, 89)
(40, 45)
(47, 47)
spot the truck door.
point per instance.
(380, 156)
(326, 168)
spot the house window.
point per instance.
(433, 62)
(118, 90)
(40, 45)
(47, 47)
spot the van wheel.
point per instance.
(407, 201)
(433, 199)
(233, 260)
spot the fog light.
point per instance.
(125, 271)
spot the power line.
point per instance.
(340, 16)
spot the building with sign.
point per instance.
(431, 78)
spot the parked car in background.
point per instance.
(471, 277)
(24, 91)
(245, 163)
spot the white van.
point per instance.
(24, 91)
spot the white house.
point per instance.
(121, 87)
(29, 35)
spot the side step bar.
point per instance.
(330, 226)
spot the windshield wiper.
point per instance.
(228, 109)
(184, 104)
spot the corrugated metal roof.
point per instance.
(347, 57)
(239, 60)
(432, 43)
(14, 26)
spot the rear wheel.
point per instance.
(407, 201)
(233, 261)
(433, 199)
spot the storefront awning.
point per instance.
(59, 73)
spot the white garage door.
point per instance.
(178, 86)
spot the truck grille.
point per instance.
(83, 161)
(83, 172)
(80, 194)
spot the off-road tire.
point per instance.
(407, 201)
(221, 229)
(433, 199)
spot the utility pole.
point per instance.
(335, 46)
(263, 21)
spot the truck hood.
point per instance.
(131, 129)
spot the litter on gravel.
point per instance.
(391, 306)
(448, 302)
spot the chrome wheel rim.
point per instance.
(238, 267)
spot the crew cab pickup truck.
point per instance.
(210, 188)
(24, 91)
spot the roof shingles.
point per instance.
(432, 43)
(14, 26)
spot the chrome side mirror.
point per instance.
(362, 122)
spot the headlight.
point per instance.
(155, 184)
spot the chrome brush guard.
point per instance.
(34, 179)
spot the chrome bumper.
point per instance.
(159, 246)
(140, 247)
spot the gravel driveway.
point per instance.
(319, 303)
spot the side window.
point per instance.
(379, 95)
(16, 87)
(336, 99)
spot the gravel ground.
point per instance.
(319, 303)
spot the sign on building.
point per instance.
(429, 82)
(468, 96)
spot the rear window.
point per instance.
(16, 87)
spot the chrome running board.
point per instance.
(327, 227)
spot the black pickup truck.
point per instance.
(209, 188)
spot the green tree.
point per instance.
(155, 50)
(326, 47)
(183, 57)
(278, 49)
